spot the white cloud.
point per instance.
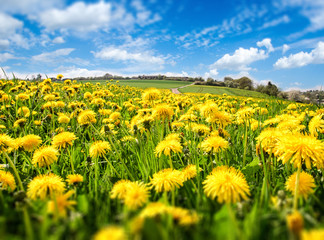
(51, 56)
(4, 44)
(6, 56)
(266, 43)
(9, 25)
(83, 17)
(316, 56)
(58, 40)
(118, 54)
(275, 22)
(30, 7)
(240, 59)
(311, 9)
(285, 48)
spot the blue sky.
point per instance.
(279, 40)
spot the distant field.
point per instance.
(221, 90)
(149, 83)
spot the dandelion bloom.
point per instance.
(44, 186)
(214, 144)
(7, 181)
(299, 148)
(87, 117)
(168, 146)
(137, 195)
(63, 118)
(190, 172)
(183, 216)
(151, 94)
(61, 203)
(295, 222)
(99, 148)
(119, 189)
(111, 233)
(314, 234)
(74, 179)
(227, 184)
(167, 180)
(24, 111)
(63, 139)
(316, 125)
(154, 209)
(162, 111)
(30, 142)
(44, 156)
(306, 184)
(20, 122)
(268, 139)
(5, 142)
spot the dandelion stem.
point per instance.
(28, 226)
(297, 188)
(12, 165)
(245, 145)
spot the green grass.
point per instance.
(149, 83)
(221, 90)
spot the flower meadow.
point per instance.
(103, 161)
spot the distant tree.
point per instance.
(245, 83)
(210, 81)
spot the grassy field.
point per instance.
(161, 84)
(221, 90)
(103, 161)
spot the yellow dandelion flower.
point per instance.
(151, 94)
(30, 142)
(20, 123)
(7, 181)
(190, 172)
(306, 184)
(227, 184)
(298, 148)
(74, 179)
(99, 148)
(24, 111)
(63, 119)
(44, 186)
(44, 156)
(295, 222)
(162, 112)
(154, 209)
(214, 144)
(111, 233)
(167, 180)
(37, 122)
(63, 139)
(201, 129)
(268, 139)
(314, 234)
(61, 204)
(137, 195)
(5, 142)
(87, 117)
(119, 189)
(316, 125)
(168, 146)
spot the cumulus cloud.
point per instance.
(240, 59)
(50, 56)
(4, 44)
(266, 43)
(9, 25)
(58, 40)
(83, 17)
(285, 48)
(118, 54)
(316, 56)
